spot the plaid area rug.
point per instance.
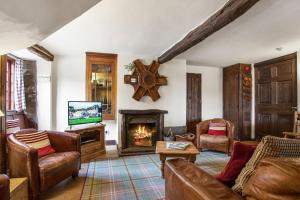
(137, 177)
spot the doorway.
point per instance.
(275, 95)
(193, 101)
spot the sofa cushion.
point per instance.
(217, 128)
(270, 146)
(241, 154)
(205, 138)
(38, 140)
(60, 165)
(12, 126)
(275, 179)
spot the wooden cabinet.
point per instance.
(92, 141)
(237, 92)
(101, 81)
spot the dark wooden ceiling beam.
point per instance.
(41, 52)
(227, 14)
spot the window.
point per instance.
(10, 71)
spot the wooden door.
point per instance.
(231, 95)
(275, 95)
(193, 101)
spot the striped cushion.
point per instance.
(37, 140)
(12, 126)
(270, 146)
(217, 128)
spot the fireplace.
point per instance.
(140, 129)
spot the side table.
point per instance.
(189, 153)
(18, 189)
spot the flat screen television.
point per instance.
(84, 112)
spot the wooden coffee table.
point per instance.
(189, 153)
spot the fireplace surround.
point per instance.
(140, 129)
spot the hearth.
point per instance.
(140, 129)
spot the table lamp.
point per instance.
(1, 113)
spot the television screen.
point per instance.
(83, 112)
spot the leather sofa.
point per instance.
(4, 187)
(212, 142)
(47, 171)
(275, 179)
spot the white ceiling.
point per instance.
(24, 23)
(253, 37)
(136, 27)
(149, 27)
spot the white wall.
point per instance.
(44, 94)
(173, 96)
(298, 80)
(69, 84)
(212, 90)
(172, 99)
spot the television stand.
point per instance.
(92, 140)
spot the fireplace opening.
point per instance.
(142, 135)
(140, 130)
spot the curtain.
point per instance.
(19, 86)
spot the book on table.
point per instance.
(177, 145)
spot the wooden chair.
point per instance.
(296, 127)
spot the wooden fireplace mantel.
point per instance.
(142, 112)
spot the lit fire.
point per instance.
(142, 136)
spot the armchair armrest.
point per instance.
(4, 187)
(201, 128)
(186, 181)
(23, 162)
(63, 141)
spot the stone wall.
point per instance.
(30, 85)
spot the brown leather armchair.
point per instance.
(4, 187)
(44, 172)
(219, 143)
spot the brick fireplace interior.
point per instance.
(140, 129)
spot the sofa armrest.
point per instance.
(4, 187)
(185, 181)
(23, 162)
(63, 141)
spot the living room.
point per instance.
(110, 86)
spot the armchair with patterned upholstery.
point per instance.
(44, 172)
(215, 142)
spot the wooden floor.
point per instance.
(71, 188)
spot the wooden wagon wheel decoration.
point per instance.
(145, 80)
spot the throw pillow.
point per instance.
(241, 154)
(270, 146)
(37, 140)
(217, 128)
(12, 126)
